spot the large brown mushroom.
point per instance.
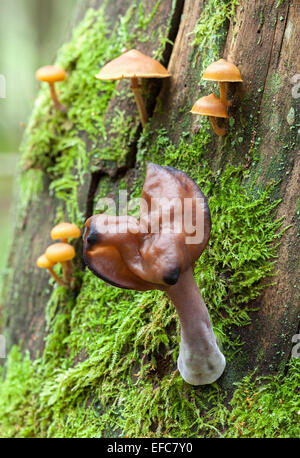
(158, 251)
(133, 65)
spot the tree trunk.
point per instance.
(262, 39)
(262, 42)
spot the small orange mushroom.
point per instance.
(64, 231)
(51, 75)
(223, 72)
(134, 64)
(44, 263)
(212, 107)
(63, 253)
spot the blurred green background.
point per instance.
(30, 33)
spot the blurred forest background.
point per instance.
(30, 33)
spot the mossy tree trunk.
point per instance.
(262, 39)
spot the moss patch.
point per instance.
(267, 406)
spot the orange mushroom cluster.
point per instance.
(223, 72)
(61, 252)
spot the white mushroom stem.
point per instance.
(136, 88)
(221, 131)
(56, 102)
(223, 96)
(200, 360)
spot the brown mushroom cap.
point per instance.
(50, 74)
(132, 64)
(44, 262)
(210, 105)
(60, 252)
(144, 260)
(222, 71)
(65, 231)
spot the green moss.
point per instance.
(52, 141)
(121, 132)
(272, 88)
(264, 407)
(16, 403)
(298, 208)
(210, 30)
(279, 3)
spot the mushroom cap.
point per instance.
(132, 64)
(50, 74)
(60, 252)
(127, 253)
(65, 231)
(222, 71)
(44, 262)
(210, 105)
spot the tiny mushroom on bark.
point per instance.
(45, 263)
(64, 231)
(223, 72)
(133, 65)
(52, 74)
(158, 251)
(63, 253)
(212, 107)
